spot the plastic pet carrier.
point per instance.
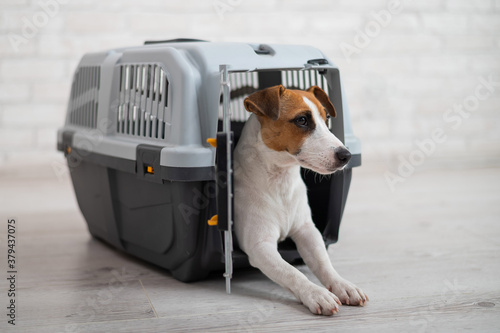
(138, 136)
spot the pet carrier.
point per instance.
(137, 137)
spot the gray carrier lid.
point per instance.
(166, 96)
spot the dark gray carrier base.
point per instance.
(165, 223)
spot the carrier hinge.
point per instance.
(148, 163)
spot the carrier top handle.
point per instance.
(177, 40)
(226, 125)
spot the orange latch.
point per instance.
(213, 221)
(212, 142)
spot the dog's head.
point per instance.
(295, 121)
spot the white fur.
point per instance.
(271, 205)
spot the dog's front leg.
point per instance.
(265, 256)
(313, 251)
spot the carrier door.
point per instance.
(225, 176)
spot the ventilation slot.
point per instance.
(84, 96)
(143, 101)
(242, 84)
(246, 83)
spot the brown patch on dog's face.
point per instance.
(321, 97)
(286, 120)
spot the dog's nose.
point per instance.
(343, 155)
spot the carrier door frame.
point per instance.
(225, 175)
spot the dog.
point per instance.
(288, 130)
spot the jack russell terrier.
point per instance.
(288, 130)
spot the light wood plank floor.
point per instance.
(428, 255)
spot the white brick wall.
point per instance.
(425, 59)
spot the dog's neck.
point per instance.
(273, 166)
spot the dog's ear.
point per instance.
(322, 97)
(265, 102)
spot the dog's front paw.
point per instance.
(319, 300)
(347, 292)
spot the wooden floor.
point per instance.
(428, 256)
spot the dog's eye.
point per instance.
(301, 121)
